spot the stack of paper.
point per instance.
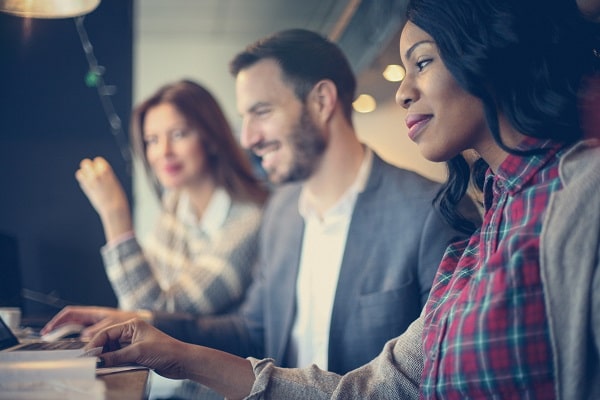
(63, 379)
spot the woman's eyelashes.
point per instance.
(422, 63)
(178, 134)
(175, 134)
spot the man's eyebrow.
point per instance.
(414, 46)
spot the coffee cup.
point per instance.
(11, 317)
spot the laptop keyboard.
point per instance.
(61, 345)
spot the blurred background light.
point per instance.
(394, 73)
(364, 103)
(48, 8)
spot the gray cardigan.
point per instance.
(569, 259)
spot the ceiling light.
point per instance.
(394, 73)
(48, 8)
(364, 103)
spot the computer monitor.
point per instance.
(11, 283)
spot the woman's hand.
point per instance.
(136, 341)
(102, 188)
(95, 318)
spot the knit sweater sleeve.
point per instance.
(394, 374)
(180, 270)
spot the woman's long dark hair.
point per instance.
(523, 58)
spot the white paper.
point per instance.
(114, 370)
(40, 355)
(79, 369)
(54, 390)
(73, 378)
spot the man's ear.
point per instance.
(323, 99)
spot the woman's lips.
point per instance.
(416, 123)
(172, 169)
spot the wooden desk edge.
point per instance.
(127, 385)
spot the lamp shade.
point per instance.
(48, 8)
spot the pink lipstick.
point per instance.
(416, 123)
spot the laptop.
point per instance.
(10, 343)
(10, 284)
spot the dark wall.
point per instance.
(49, 120)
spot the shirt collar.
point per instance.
(214, 215)
(346, 202)
(516, 170)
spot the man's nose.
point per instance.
(248, 134)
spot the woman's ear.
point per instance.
(323, 100)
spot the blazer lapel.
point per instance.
(283, 304)
(355, 253)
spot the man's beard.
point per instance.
(308, 145)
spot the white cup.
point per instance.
(11, 317)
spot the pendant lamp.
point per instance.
(48, 8)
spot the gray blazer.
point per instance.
(395, 242)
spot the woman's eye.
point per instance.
(150, 140)
(178, 134)
(422, 64)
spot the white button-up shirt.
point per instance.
(320, 262)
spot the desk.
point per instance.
(127, 385)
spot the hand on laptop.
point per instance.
(94, 318)
(138, 342)
(65, 331)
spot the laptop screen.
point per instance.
(10, 284)
(7, 338)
